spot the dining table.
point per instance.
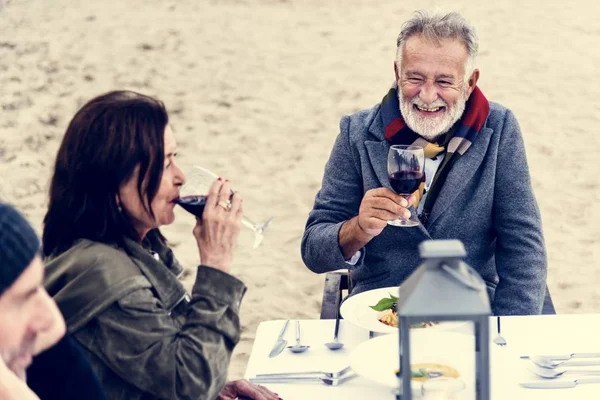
(525, 336)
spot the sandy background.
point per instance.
(255, 91)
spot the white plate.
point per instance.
(356, 310)
(378, 359)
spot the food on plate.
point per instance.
(423, 371)
(388, 308)
(389, 317)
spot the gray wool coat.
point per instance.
(487, 202)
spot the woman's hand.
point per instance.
(217, 231)
(242, 389)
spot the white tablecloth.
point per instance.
(555, 334)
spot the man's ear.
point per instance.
(396, 71)
(472, 82)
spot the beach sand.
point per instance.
(255, 91)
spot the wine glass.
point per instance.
(193, 198)
(406, 170)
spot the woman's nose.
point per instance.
(179, 177)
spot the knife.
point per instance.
(279, 343)
(559, 357)
(558, 384)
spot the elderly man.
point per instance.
(477, 187)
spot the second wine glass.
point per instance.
(406, 170)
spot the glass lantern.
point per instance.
(443, 288)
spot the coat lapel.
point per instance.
(460, 174)
(378, 153)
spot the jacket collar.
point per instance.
(163, 280)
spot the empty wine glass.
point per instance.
(193, 198)
(406, 170)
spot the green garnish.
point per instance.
(419, 373)
(415, 373)
(385, 304)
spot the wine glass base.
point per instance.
(403, 223)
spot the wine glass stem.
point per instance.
(248, 222)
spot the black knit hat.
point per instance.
(18, 245)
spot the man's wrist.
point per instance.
(360, 233)
(352, 238)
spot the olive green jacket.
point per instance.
(145, 337)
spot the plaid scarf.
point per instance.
(456, 142)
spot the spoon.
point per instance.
(549, 363)
(336, 344)
(298, 348)
(556, 373)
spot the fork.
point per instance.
(499, 340)
(558, 372)
(308, 374)
(304, 379)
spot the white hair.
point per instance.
(439, 26)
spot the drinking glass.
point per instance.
(406, 169)
(443, 389)
(193, 198)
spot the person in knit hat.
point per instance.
(32, 329)
(30, 321)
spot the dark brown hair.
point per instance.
(104, 143)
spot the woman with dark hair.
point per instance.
(114, 277)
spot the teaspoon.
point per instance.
(298, 348)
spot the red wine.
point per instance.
(405, 182)
(193, 204)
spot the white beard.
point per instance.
(431, 128)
